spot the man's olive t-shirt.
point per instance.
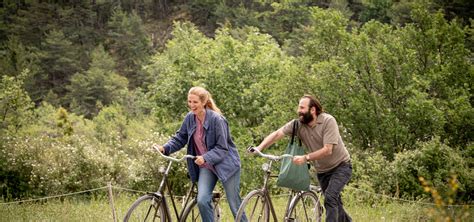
(325, 131)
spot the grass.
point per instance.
(98, 208)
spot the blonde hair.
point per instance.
(205, 98)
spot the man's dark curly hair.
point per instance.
(313, 102)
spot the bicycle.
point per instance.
(301, 205)
(154, 206)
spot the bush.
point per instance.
(372, 172)
(60, 152)
(435, 162)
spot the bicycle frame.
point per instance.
(159, 202)
(294, 195)
(161, 195)
(265, 190)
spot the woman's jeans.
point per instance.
(206, 183)
(332, 183)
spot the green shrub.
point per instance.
(434, 161)
(373, 172)
(60, 152)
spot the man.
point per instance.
(326, 151)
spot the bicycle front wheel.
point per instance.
(191, 213)
(254, 207)
(305, 207)
(146, 208)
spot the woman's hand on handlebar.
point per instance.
(159, 148)
(199, 160)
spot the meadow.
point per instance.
(97, 207)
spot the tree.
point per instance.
(59, 61)
(277, 18)
(174, 70)
(31, 24)
(343, 6)
(377, 10)
(15, 104)
(325, 36)
(129, 44)
(78, 22)
(160, 8)
(444, 70)
(16, 59)
(7, 10)
(100, 84)
(234, 69)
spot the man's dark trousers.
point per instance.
(332, 183)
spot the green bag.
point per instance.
(295, 177)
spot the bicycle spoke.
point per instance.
(254, 207)
(148, 213)
(192, 214)
(195, 215)
(146, 208)
(306, 208)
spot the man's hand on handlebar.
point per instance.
(299, 160)
(252, 150)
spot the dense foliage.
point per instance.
(87, 87)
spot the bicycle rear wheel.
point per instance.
(191, 213)
(146, 208)
(255, 207)
(305, 207)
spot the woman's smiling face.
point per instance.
(195, 104)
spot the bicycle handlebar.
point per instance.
(172, 158)
(269, 156)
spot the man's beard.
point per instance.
(305, 118)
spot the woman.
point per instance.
(207, 136)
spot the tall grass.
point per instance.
(98, 208)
